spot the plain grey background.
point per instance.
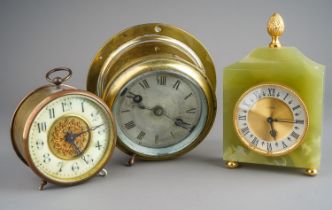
(38, 35)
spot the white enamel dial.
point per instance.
(271, 119)
(69, 137)
(160, 112)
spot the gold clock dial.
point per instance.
(271, 119)
(57, 134)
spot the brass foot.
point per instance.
(43, 183)
(232, 164)
(131, 160)
(103, 172)
(311, 172)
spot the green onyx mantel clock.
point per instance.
(273, 100)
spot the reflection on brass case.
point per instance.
(147, 48)
(59, 153)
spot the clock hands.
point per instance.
(271, 120)
(158, 111)
(75, 135)
(70, 138)
(179, 122)
(273, 132)
(136, 98)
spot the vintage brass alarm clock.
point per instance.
(273, 102)
(63, 134)
(160, 83)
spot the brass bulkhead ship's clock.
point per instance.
(63, 134)
(160, 83)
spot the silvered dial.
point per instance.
(160, 112)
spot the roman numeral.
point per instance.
(141, 135)
(242, 117)
(257, 95)
(41, 127)
(286, 96)
(156, 139)
(255, 141)
(144, 84)
(296, 107)
(245, 130)
(295, 135)
(82, 106)
(191, 111)
(130, 124)
(124, 92)
(284, 145)
(272, 91)
(176, 84)
(172, 134)
(161, 80)
(269, 147)
(51, 113)
(246, 104)
(127, 110)
(190, 94)
(299, 121)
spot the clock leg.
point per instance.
(311, 171)
(232, 164)
(43, 183)
(131, 160)
(103, 172)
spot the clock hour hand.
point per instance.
(70, 138)
(179, 122)
(273, 132)
(136, 98)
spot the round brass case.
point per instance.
(152, 47)
(24, 120)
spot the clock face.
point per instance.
(271, 119)
(69, 138)
(160, 113)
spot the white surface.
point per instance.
(38, 35)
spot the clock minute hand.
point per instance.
(87, 130)
(285, 121)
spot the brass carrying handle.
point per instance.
(58, 80)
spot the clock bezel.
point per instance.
(113, 90)
(255, 149)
